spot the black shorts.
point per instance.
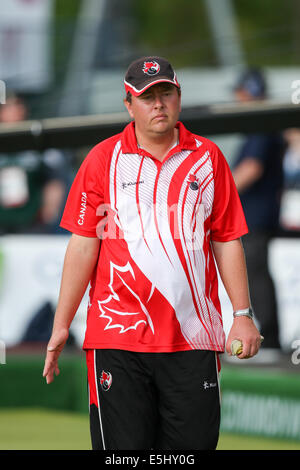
(167, 401)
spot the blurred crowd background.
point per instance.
(62, 58)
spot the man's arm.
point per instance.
(231, 264)
(80, 260)
(247, 173)
(52, 198)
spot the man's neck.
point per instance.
(159, 146)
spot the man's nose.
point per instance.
(158, 101)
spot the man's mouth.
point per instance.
(160, 116)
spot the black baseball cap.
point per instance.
(253, 81)
(146, 72)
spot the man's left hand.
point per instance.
(244, 329)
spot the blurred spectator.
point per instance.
(33, 185)
(291, 162)
(290, 207)
(258, 175)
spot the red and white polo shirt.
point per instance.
(155, 287)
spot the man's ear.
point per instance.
(128, 107)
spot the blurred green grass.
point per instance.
(39, 429)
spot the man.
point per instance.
(33, 185)
(258, 175)
(164, 203)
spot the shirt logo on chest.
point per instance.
(193, 182)
(132, 183)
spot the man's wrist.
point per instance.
(246, 312)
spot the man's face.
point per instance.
(13, 111)
(156, 111)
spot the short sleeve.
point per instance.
(81, 214)
(227, 219)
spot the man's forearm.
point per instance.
(80, 260)
(231, 264)
(247, 173)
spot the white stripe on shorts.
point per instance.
(99, 411)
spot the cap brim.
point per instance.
(135, 92)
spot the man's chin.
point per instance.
(162, 128)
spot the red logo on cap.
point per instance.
(151, 68)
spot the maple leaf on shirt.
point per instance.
(114, 309)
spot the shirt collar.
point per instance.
(187, 141)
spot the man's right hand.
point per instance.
(54, 348)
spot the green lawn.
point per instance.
(243, 442)
(36, 429)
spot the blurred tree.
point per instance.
(175, 28)
(179, 29)
(63, 28)
(269, 31)
(66, 12)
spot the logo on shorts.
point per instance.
(207, 385)
(105, 380)
(194, 182)
(151, 68)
